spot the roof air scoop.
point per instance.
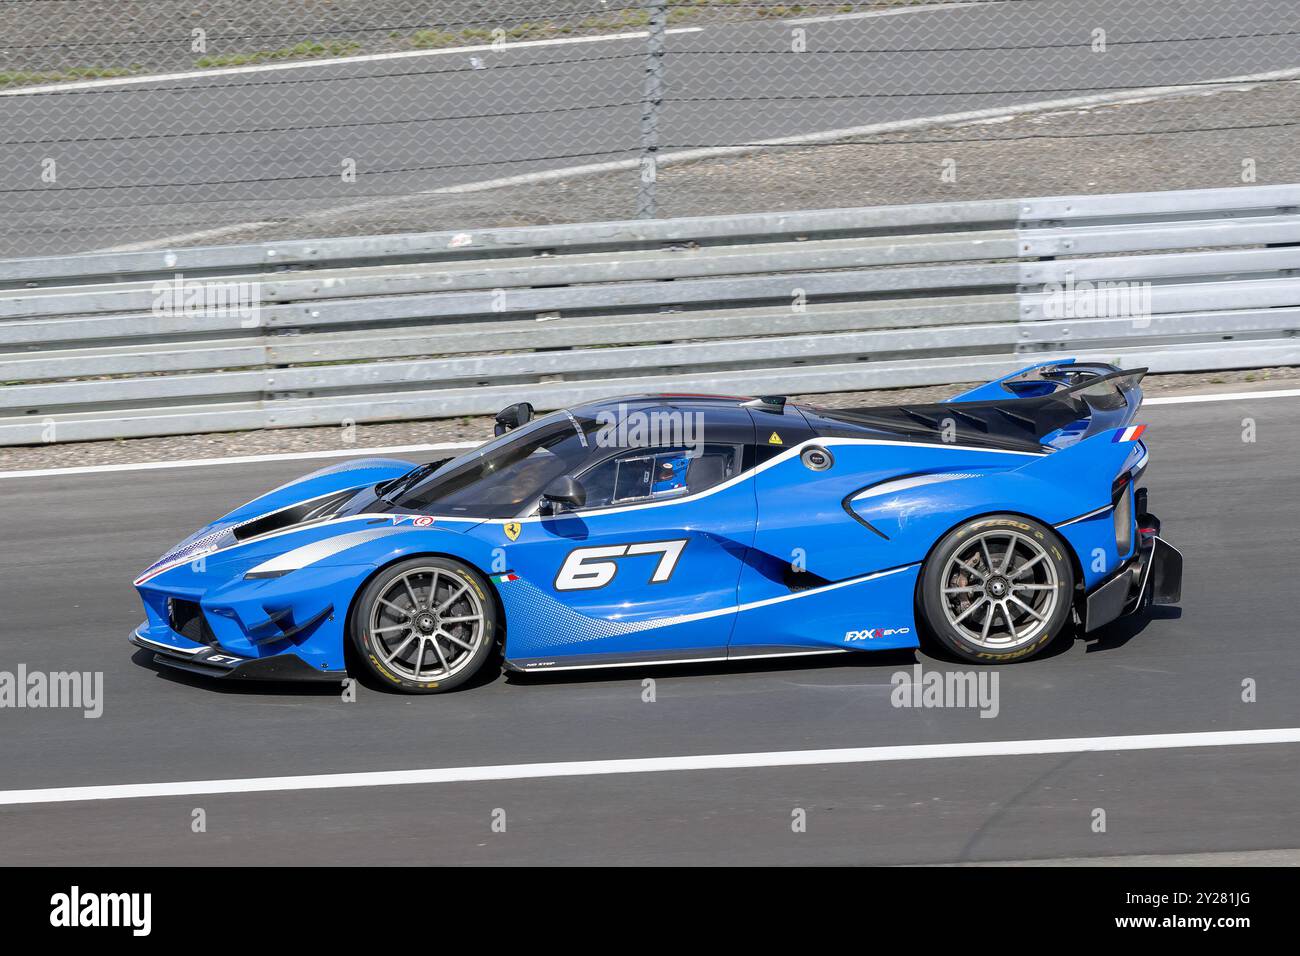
(512, 416)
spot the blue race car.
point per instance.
(677, 528)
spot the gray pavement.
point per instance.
(71, 545)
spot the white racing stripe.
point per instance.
(584, 768)
(462, 446)
(317, 551)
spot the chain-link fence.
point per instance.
(171, 122)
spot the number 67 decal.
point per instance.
(588, 568)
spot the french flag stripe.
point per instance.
(1132, 433)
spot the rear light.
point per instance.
(1148, 524)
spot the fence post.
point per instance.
(651, 101)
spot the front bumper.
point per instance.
(215, 662)
(1154, 575)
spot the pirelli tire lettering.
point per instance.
(996, 589)
(423, 616)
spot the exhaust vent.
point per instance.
(1123, 502)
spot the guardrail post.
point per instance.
(651, 101)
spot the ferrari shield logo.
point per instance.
(512, 530)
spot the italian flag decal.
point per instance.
(503, 578)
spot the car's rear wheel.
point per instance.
(425, 625)
(997, 589)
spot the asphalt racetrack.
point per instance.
(72, 544)
(158, 159)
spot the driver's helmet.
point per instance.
(670, 474)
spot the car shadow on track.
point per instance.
(1118, 633)
(1108, 638)
(791, 665)
(145, 659)
(1111, 637)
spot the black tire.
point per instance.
(433, 581)
(980, 597)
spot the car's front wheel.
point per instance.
(997, 589)
(425, 625)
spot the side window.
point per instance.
(652, 474)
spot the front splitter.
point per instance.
(216, 663)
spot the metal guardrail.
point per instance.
(383, 328)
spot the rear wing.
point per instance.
(1047, 405)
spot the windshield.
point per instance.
(499, 479)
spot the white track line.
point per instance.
(461, 446)
(1141, 94)
(333, 61)
(147, 245)
(584, 768)
(893, 126)
(897, 11)
(239, 460)
(1220, 397)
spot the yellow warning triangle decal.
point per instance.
(775, 439)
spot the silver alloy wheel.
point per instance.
(427, 624)
(1000, 589)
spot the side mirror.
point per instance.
(565, 490)
(512, 416)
